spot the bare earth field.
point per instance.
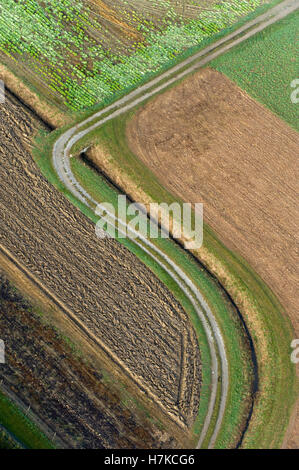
(67, 394)
(208, 141)
(106, 288)
(50, 114)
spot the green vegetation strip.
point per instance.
(266, 65)
(20, 426)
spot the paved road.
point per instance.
(61, 154)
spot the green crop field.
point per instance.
(86, 51)
(266, 65)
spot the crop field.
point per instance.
(266, 65)
(85, 52)
(113, 294)
(142, 152)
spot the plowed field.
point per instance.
(208, 141)
(115, 296)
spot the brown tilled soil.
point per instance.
(69, 395)
(108, 289)
(207, 141)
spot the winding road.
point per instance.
(61, 155)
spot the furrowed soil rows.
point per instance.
(207, 141)
(113, 294)
(68, 395)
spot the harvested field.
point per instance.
(71, 397)
(111, 292)
(207, 141)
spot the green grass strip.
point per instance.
(20, 426)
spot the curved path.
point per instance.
(61, 155)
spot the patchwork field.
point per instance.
(82, 53)
(207, 141)
(114, 296)
(203, 140)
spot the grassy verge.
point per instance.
(265, 66)
(24, 431)
(270, 328)
(8, 441)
